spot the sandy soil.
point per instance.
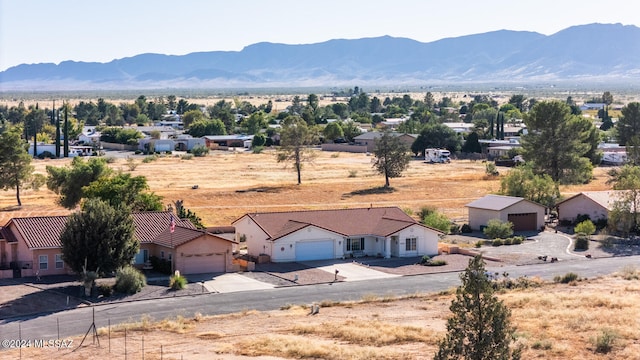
(546, 327)
(231, 184)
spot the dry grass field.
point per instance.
(231, 184)
(579, 320)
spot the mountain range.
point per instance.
(584, 53)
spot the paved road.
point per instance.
(77, 321)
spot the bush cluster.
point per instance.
(162, 266)
(177, 282)
(515, 240)
(129, 280)
(466, 229)
(566, 278)
(427, 261)
(582, 242)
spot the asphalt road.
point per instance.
(77, 321)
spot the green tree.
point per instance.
(124, 190)
(437, 136)
(333, 131)
(69, 181)
(628, 128)
(184, 213)
(472, 144)
(480, 326)
(191, 117)
(204, 127)
(15, 161)
(438, 221)
(99, 238)
(556, 143)
(295, 138)
(522, 182)
(391, 156)
(254, 122)
(626, 206)
(586, 228)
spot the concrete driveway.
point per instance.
(230, 282)
(351, 271)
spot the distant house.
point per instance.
(331, 234)
(224, 142)
(595, 204)
(525, 215)
(368, 139)
(592, 106)
(32, 245)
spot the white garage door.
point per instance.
(203, 263)
(314, 250)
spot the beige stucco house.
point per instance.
(332, 234)
(595, 204)
(30, 246)
(525, 215)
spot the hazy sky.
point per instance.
(37, 31)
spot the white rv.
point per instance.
(437, 156)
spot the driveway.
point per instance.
(229, 282)
(349, 271)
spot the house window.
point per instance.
(355, 244)
(43, 260)
(411, 244)
(59, 262)
(161, 254)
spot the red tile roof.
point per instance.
(381, 221)
(44, 232)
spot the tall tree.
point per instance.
(15, 162)
(124, 190)
(69, 181)
(391, 156)
(295, 138)
(556, 143)
(480, 326)
(628, 126)
(437, 136)
(66, 130)
(626, 178)
(522, 182)
(56, 119)
(99, 237)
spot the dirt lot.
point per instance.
(231, 184)
(556, 321)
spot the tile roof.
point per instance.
(496, 202)
(44, 232)
(381, 221)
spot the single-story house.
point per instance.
(157, 145)
(369, 139)
(525, 215)
(596, 204)
(224, 142)
(334, 234)
(187, 142)
(31, 245)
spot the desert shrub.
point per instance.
(498, 229)
(497, 242)
(438, 262)
(131, 164)
(507, 241)
(437, 220)
(466, 228)
(257, 149)
(160, 265)
(186, 157)
(425, 259)
(517, 240)
(566, 278)
(582, 242)
(491, 170)
(110, 160)
(585, 227)
(454, 229)
(47, 155)
(177, 282)
(426, 211)
(129, 280)
(479, 243)
(105, 290)
(200, 150)
(138, 152)
(605, 341)
(542, 345)
(353, 173)
(150, 158)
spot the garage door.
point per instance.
(314, 250)
(523, 222)
(203, 263)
